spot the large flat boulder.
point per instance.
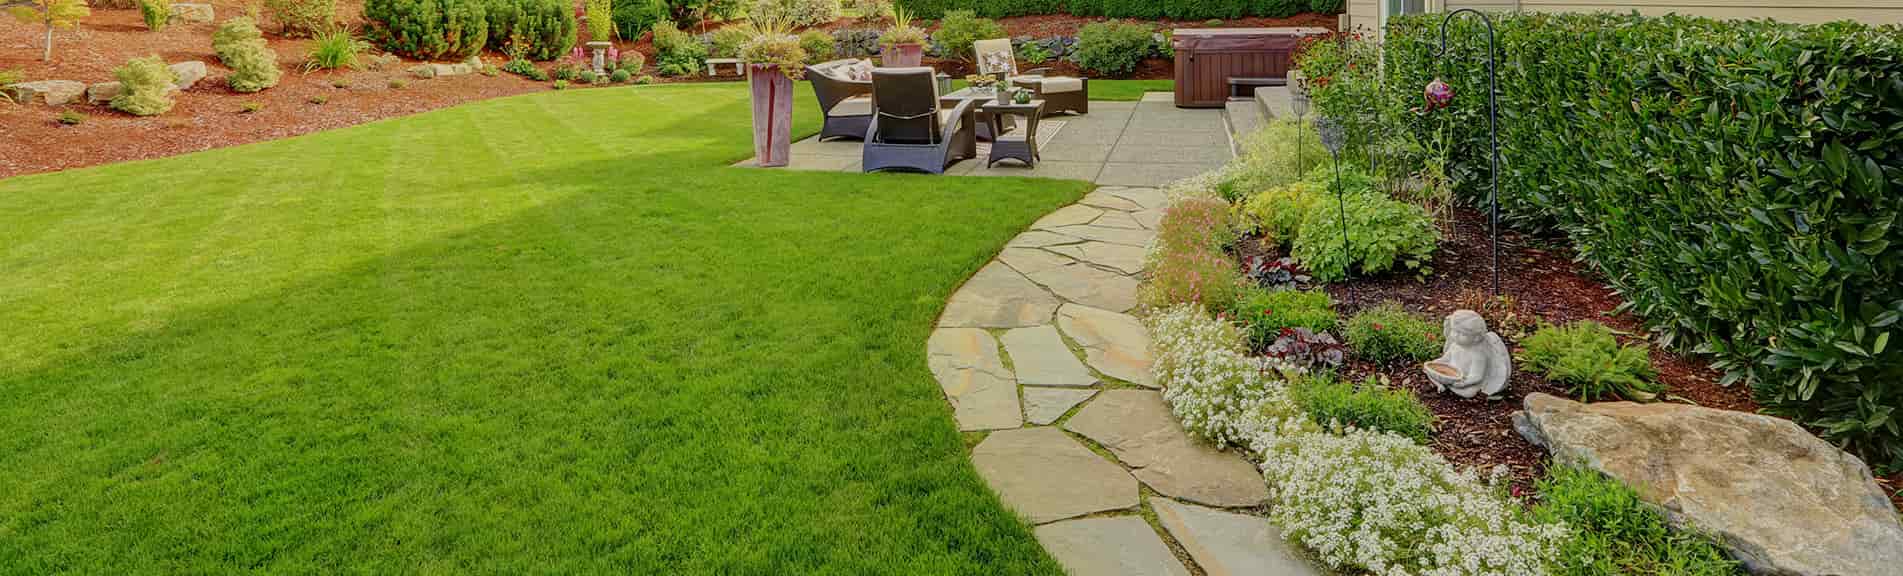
(188, 72)
(49, 92)
(196, 13)
(1780, 499)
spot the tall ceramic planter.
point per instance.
(772, 114)
(903, 55)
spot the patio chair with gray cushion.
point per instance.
(909, 130)
(844, 88)
(1060, 93)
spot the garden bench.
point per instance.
(738, 66)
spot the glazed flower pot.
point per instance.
(772, 114)
(902, 55)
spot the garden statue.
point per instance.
(1473, 360)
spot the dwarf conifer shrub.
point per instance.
(428, 29)
(145, 87)
(545, 29)
(254, 66)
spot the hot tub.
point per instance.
(1207, 59)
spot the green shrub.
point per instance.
(619, 76)
(1265, 313)
(586, 77)
(725, 42)
(560, 85)
(1284, 8)
(601, 25)
(155, 13)
(1113, 48)
(398, 83)
(1382, 232)
(1735, 180)
(70, 118)
(564, 71)
(1327, 6)
(1612, 532)
(818, 44)
(302, 17)
(959, 29)
(544, 28)
(522, 67)
(333, 49)
(428, 29)
(794, 12)
(1369, 405)
(1186, 10)
(231, 33)
(632, 61)
(1188, 263)
(677, 53)
(1586, 358)
(253, 65)
(632, 18)
(1388, 332)
(644, 80)
(146, 87)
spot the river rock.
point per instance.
(188, 72)
(1779, 499)
(49, 92)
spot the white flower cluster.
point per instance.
(1395, 508)
(1216, 389)
(1360, 499)
(1199, 186)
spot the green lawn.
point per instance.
(548, 333)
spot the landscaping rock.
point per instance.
(1043, 406)
(49, 92)
(1090, 286)
(998, 297)
(1115, 344)
(438, 70)
(1116, 546)
(1113, 219)
(194, 13)
(1046, 476)
(1230, 544)
(103, 92)
(1041, 359)
(1040, 239)
(1120, 257)
(1148, 198)
(1139, 429)
(966, 363)
(1781, 500)
(189, 72)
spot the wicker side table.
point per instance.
(1020, 145)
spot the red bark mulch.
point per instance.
(1544, 283)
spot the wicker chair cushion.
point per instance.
(854, 106)
(1054, 84)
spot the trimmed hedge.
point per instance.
(1149, 9)
(1739, 182)
(428, 29)
(547, 26)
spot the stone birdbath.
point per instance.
(600, 51)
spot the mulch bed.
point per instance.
(1544, 282)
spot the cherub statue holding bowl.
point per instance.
(1473, 360)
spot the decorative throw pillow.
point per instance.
(860, 71)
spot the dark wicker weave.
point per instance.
(908, 130)
(831, 90)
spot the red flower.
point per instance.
(1266, 312)
(1377, 325)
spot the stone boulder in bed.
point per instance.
(1780, 499)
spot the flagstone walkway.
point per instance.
(1039, 352)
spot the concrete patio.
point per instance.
(1146, 143)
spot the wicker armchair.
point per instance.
(845, 104)
(909, 130)
(1060, 93)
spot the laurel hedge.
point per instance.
(1739, 182)
(1148, 9)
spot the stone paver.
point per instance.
(1068, 215)
(1122, 257)
(966, 363)
(1149, 198)
(1138, 428)
(1032, 260)
(1040, 239)
(998, 297)
(1047, 476)
(1115, 344)
(1107, 201)
(1043, 406)
(1148, 218)
(1119, 546)
(1125, 236)
(1115, 219)
(1042, 359)
(1091, 287)
(1230, 544)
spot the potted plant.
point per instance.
(774, 58)
(902, 45)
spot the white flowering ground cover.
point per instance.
(1358, 499)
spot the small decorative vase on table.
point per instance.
(772, 114)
